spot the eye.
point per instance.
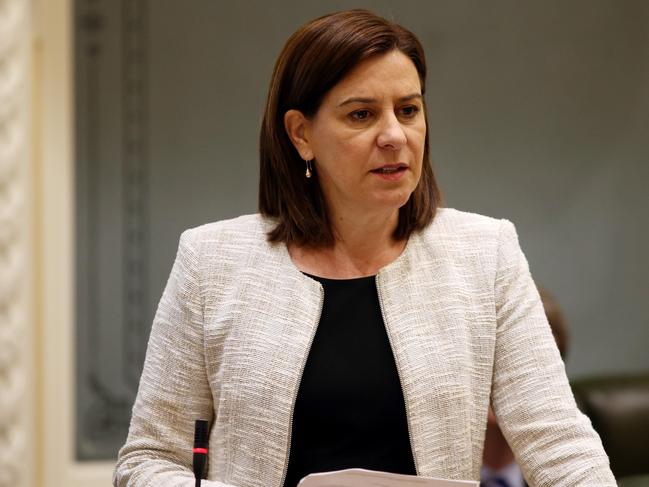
(360, 115)
(409, 111)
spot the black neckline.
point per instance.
(331, 280)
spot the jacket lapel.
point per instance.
(420, 301)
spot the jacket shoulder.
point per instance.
(228, 244)
(236, 231)
(468, 237)
(463, 225)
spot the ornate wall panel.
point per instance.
(13, 266)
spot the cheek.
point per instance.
(347, 152)
(417, 144)
(331, 143)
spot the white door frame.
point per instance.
(54, 249)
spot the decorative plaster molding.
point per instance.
(135, 184)
(13, 129)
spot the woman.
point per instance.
(351, 323)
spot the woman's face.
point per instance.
(367, 137)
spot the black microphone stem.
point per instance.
(201, 433)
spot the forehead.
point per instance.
(388, 74)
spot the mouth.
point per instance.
(391, 168)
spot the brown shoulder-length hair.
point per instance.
(314, 59)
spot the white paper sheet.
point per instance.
(358, 477)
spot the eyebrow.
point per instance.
(360, 99)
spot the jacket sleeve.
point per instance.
(174, 389)
(554, 443)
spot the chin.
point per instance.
(389, 199)
(391, 205)
(396, 201)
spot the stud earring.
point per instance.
(309, 169)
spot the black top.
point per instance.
(350, 410)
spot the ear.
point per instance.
(296, 125)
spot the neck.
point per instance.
(362, 236)
(363, 245)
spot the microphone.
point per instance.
(201, 433)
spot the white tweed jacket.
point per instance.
(232, 334)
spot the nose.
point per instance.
(392, 136)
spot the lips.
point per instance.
(390, 168)
(391, 173)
